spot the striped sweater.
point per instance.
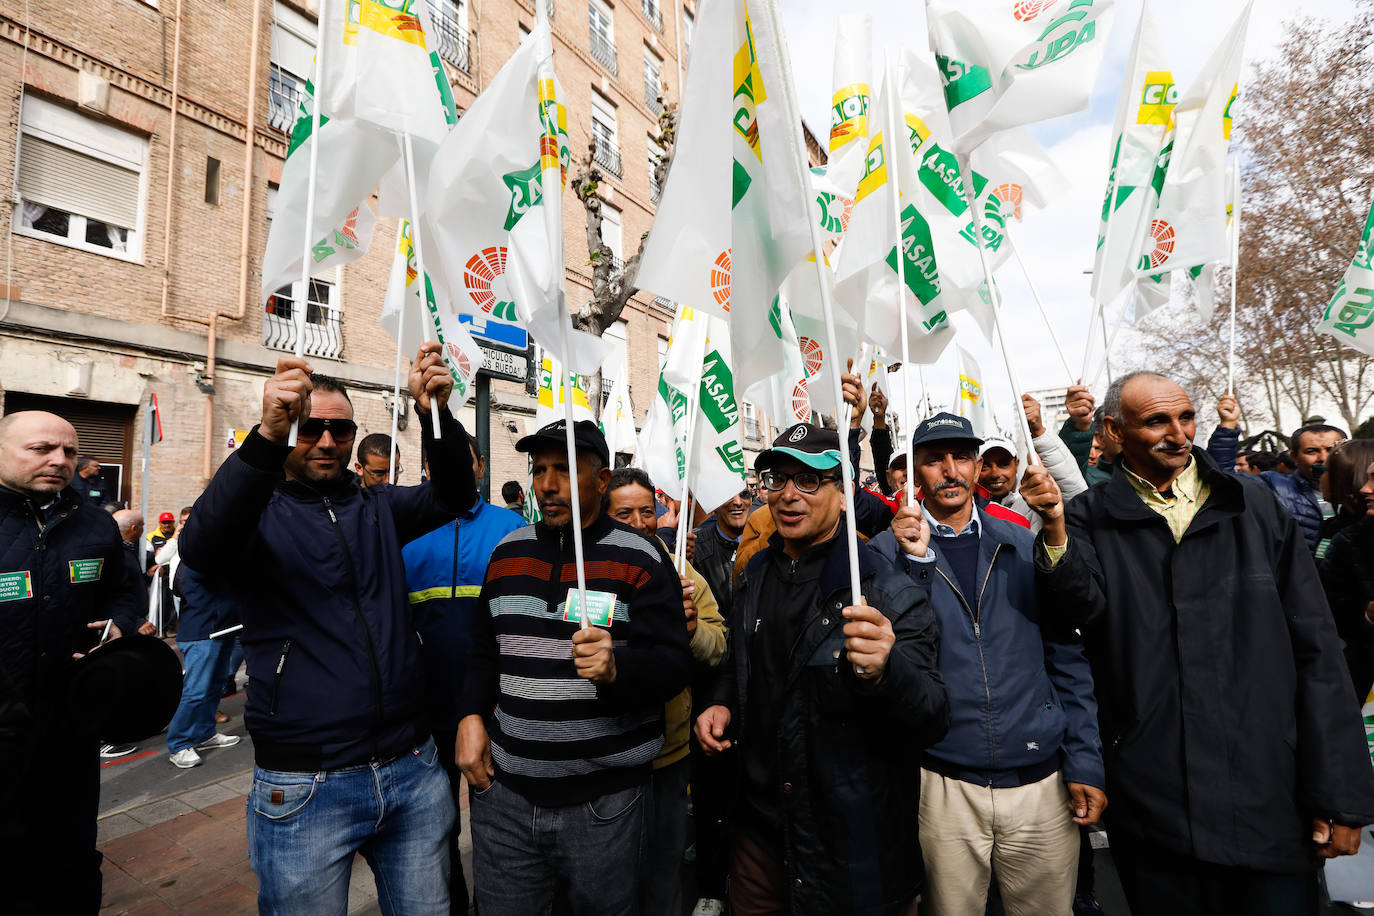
(556, 738)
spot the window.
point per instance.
(293, 56)
(614, 366)
(323, 329)
(80, 182)
(655, 157)
(451, 27)
(662, 352)
(602, 34)
(653, 81)
(212, 181)
(689, 25)
(752, 430)
(610, 233)
(606, 147)
(651, 12)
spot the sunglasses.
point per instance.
(315, 427)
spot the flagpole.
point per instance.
(308, 242)
(567, 380)
(1235, 278)
(693, 407)
(396, 375)
(1040, 304)
(996, 298)
(426, 329)
(148, 421)
(801, 173)
(1109, 342)
(1095, 315)
(889, 143)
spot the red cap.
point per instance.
(166, 517)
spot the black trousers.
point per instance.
(49, 798)
(1158, 882)
(446, 742)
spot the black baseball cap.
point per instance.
(587, 437)
(814, 446)
(944, 427)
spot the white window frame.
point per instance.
(611, 220)
(662, 352)
(655, 157)
(63, 127)
(606, 16)
(616, 355)
(293, 48)
(603, 113)
(653, 65)
(332, 349)
(689, 26)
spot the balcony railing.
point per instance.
(652, 13)
(751, 428)
(283, 99)
(651, 99)
(607, 156)
(451, 39)
(604, 52)
(655, 189)
(323, 326)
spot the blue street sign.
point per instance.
(501, 334)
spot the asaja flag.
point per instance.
(850, 103)
(352, 157)
(1188, 226)
(1144, 111)
(972, 399)
(554, 390)
(730, 198)
(1350, 315)
(1007, 64)
(410, 320)
(618, 418)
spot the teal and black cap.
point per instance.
(814, 446)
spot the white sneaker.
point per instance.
(220, 740)
(709, 906)
(117, 750)
(186, 758)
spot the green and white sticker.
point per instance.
(85, 570)
(15, 586)
(600, 607)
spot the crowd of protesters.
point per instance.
(1119, 629)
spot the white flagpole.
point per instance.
(889, 144)
(427, 328)
(396, 377)
(1235, 277)
(683, 507)
(801, 174)
(1095, 315)
(1040, 304)
(308, 242)
(996, 298)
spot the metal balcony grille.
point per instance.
(604, 52)
(652, 13)
(607, 156)
(283, 99)
(451, 39)
(323, 323)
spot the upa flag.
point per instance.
(1144, 111)
(618, 418)
(1005, 64)
(850, 103)
(1188, 227)
(1350, 315)
(553, 386)
(352, 157)
(731, 196)
(972, 399)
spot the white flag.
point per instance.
(1008, 64)
(1188, 227)
(783, 396)
(850, 103)
(553, 390)
(973, 400)
(618, 418)
(1350, 315)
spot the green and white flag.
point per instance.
(1188, 226)
(554, 389)
(972, 398)
(1350, 316)
(850, 104)
(1144, 111)
(618, 418)
(352, 157)
(1007, 64)
(783, 395)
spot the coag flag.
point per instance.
(1144, 111)
(972, 399)
(1350, 316)
(783, 396)
(553, 388)
(850, 103)
(406, 318)
(618, 418)
(487, 179)
(1188, 226)
(352, 157)
(1006, 64)
(802, 295)
(730, 198)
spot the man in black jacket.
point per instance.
(830, 701)
(335, 682)
(62, 572)
(1234, 752)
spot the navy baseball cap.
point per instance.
(814, 446)
(944, 427)
(587, 437)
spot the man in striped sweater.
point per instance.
(560, 725)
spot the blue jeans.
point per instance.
(304, 829)
(591, 851)
(207, 666)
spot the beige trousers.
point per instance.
(1026, 833)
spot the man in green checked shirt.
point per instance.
(1235, 761)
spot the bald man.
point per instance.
(62, 573)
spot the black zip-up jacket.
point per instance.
(1226, 713)
(848, 750)
(715, 560)
(334, 673)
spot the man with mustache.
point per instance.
(1235, 757)
(1021, 764)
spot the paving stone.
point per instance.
(114, 827)
(158, 863)
(182, 824)
(209, 795)
(133, 844)
(159, 811)
(230, 900)
(182, 887)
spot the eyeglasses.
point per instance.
(804, 481)
(315, 427)
(383, 473)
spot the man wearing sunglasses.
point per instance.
(828, 700)
(335, 682)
